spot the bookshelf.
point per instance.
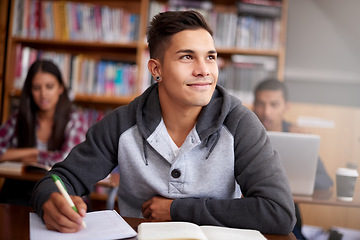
(84, 42)
(3, 31)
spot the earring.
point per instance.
(158, 79)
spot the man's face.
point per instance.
(189, 70)
(270, 107)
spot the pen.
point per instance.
(60, 185)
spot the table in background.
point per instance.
(328, 197)
(14, 224)
(23, 175)
(111, 181)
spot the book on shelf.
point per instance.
(240, 75)
(45, 26)
(225, 30)
(207, 5)
(277, 3)
(60, 23)
(67, 20)
(191, 231)
(231, 28)
(259, 9)
(258, 33)
(82, 74)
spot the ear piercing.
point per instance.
(158, 78)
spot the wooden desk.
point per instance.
(328, 197)
(14, 224)
(111, 182)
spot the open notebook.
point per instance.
(191, 231)
(299, 155)
(106, 224)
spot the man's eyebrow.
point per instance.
(191, 51)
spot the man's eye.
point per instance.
(186, 57)
(212, 57)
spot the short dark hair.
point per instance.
(26, 120)
(164, 25)
(272, 85)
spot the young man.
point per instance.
(186, 149)
(270, 105)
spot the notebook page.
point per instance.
(107, 224)
(215, 233)
(169, 231)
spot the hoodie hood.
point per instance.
(148, 112)
(148, 115)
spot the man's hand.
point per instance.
(157, 208)
(59, 216)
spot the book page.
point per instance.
(11, 167)
(14, 167)
(215, 233)
(36, 167)
(169, 231)
(107, 224)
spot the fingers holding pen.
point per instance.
(80, 205)
(59, 216)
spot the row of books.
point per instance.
(262, 8)
(231, 28)
(241, 75)
(65, 20)
(82, 74)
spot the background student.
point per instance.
(43, 129)
(184, 147)
(270, 105)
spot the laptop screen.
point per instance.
(299, 156)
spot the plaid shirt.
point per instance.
(75, 132)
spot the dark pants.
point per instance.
(297, 229)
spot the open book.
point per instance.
(12, 167)
(191, 231)
(106, 224)
(36, 167)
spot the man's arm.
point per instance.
(86, 164)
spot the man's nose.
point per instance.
(201, 69)
(267, 110)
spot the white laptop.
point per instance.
(299, 155)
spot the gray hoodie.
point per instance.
(226, 172)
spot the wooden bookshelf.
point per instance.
(134, 52)
(3, 25)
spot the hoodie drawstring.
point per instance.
(217, 137)
(145, 152)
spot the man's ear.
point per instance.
(154, 67)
